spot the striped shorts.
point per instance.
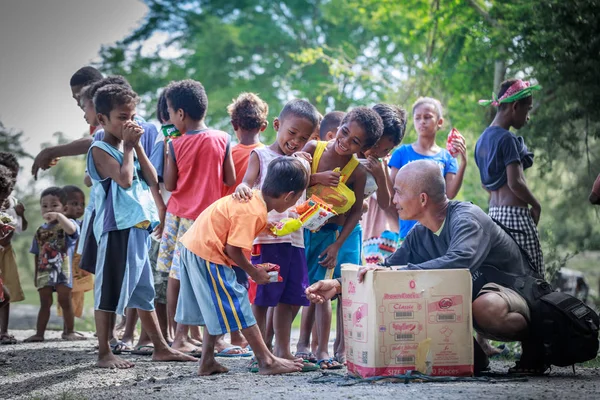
(519, 219)
(211, 296)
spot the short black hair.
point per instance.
(248, 111)
(330, 122)
(6, 182)
(300, 108)
(504, 86)
(188, 95)
(109, 97)
(9, 160)
(285, 174)
(394, 121)
(109, 80)
(84, 76)
(369, 120)
(55, 191)
(71, 190)
(162, 109)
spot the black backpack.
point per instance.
(563, 329)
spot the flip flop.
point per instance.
(225, 352)
(7, 339)
(143, 350)
(310, 357)
(253, 367)
(309, 367)
(329, 363)
(197, 352)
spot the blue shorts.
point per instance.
(292, 263)
(211, 296)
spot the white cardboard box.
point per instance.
(398, 321)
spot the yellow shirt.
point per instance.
(226, 221)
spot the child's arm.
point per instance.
(325, 178)
(171, 172)
(148, 170)
(20, 210)
(37, 259)
(454, 181)
(228, 169)
(379, 171)
(259, 275)
(517, 184)
(161, 207)
(45, 157)
(65, 223)
(358, 179)
(244, 190)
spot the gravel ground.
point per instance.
(65, 370)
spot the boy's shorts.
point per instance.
(210, 296)
(160, 278)
(292, 263)
(123, 274)
(174, 229)
(315, 243)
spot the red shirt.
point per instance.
(240, 153)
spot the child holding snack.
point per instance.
(15, 211)
(296, 122)
(52, 245)
(210, 293)
(428, 119)
(338, 179)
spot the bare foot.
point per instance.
(34, 339)
(185, 347)
(73, 336)
(280, 366)
(194, 341)
(168, 354)
(212, 368)
(112, 361)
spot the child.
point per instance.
(330, 124)
(52, 244)
(83, 281)
(6, 230)
(125, 213)
(210, 293)
(294, 126)
(198, 163)
(8, 266)
(428, 119)
(501, 158)
(360, 129)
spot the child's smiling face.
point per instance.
(350, 138)
(292, 133)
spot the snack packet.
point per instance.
(7, 224)
(313, 214)
(454, 134)
(272, 270)
(170, 131)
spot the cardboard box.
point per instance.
(399, 321)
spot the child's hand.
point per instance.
(304, 155)
(20, 209)
(460, 147)
(329, 256)
(51, 216)
(365, 206)
(376, 168)
(242, 193)
(328, 178)
(132, 133)
(260, 275)
(268, 230)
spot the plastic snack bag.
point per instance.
(272, 270)
(313, 214)
(454, 134)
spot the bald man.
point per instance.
(453, 235)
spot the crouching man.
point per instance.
(454, 234)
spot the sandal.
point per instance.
(119, 347)
(143, 350)
(306, 356)
(7, 339)
(329, 363)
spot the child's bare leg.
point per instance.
(120, 327)
(161, 314)
(314, 339)
(106, 359)
(237, 339)
(4, 317)
(180, 341)
(131, 316)
(44, 314)
(162, 351)
(268, 364)
(282, 321)
(323, 317)
(64, 299)
(270, 333)
(172, 297)
(260, 313)
(339, 346)
(195, 337)
(112, 334)
(221, 344)
(306, 325)
(208, 364)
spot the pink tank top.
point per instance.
(199, 156)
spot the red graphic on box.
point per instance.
(351, 288)
(405, 307)
(359, 314)
(405, 327)
(445, 303)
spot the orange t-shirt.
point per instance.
(226, 221)
(240, 153)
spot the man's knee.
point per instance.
(489, 310)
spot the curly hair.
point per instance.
(394, 121)
(188, 95)
(248, 111)
(109, 97)
(6, 182)
(10, 161)
(369, 120)
(162, 109)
